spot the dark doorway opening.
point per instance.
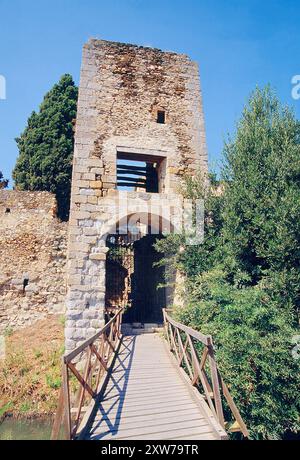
(133, 279)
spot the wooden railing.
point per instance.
(83, 373)
(202, 370)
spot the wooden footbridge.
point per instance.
(150, 386)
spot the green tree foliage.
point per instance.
(262, 199)
(46, 145)
(194, 259)
(242, 284)
(3, 182)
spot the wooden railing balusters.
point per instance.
(66, 402)
(211, 383)
(94, 356)
(231, 403)
(199, 372)
(84, 386)
(215, 385)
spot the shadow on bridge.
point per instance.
(109, 412)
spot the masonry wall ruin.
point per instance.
(135, 103)
(32, 258)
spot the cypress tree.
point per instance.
(46, 145)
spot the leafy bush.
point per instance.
(253, 338)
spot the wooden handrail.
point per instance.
(205, 339)
(88, 364)
(182, 342)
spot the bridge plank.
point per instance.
(145, 408)
(149, 409)
(164, 435)
(146, 397)
(140, 399)
(148, 420)
(168, 426)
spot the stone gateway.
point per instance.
(139, 128)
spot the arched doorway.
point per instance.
(133, 277)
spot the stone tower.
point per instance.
(139, 127)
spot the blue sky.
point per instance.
(238, 44)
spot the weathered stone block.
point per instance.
(80, 215)
(81, 183)
(74, 279)
(96, 184)
(97, 256)
(80, 199)
(90, 231)
(83, 247)
(92, 199)
(108, 185)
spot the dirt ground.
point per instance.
(44, 335)
(30, 375)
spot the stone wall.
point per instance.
(122, 89)
(33, 248)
